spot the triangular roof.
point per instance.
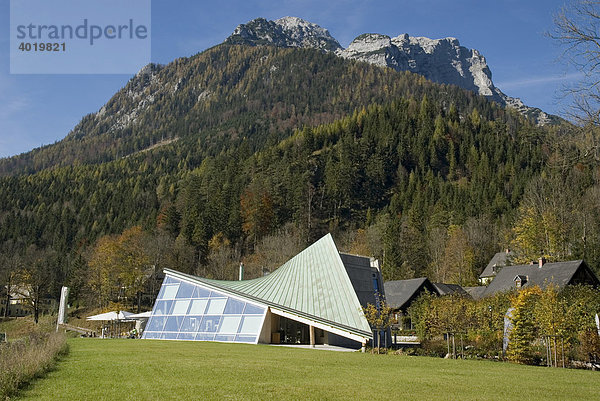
(313, 284)
(559, 273)
(400, 293)
(499, 260)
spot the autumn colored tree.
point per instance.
(524, 330)
(458, 264)
(257, 212)
(119, 267)
(380, 319)
(543, 220)
(36, 276)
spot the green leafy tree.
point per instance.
(524, 330)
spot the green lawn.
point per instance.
(158, 370)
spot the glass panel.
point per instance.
(253, 310)
(185, 290)
(156, 323)
(205, 337)
(160, 293)
(151, 335)
(186, 336)
(230, 324)
(216, 306)
(251, 325)
(181, 307)
(169, 336)
(191, 323)
(173, 323)
(198, 306)
(224, 338)
(234, 307)
(170, 291)
(245, 339)
(201, 292)
(169, 280)
(210, 324)
(162, 307)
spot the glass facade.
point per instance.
(186, 311)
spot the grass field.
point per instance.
(99, 369)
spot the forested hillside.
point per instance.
(263, 150)
(224, 96)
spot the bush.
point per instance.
(24, 360)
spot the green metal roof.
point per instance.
(313, 283)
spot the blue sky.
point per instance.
(40, 109)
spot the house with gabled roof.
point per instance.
(400, 294)
(542, 274)
(498, 261)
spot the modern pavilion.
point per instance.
(314, 298)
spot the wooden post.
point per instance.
(453, 347)
(563, 351)
(555, 354)
(312, 336)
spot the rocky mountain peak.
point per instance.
(442, 60)
(284, 32)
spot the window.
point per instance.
(162, 307)
(191, 324)
(234, 307)
(216, 306)
(185, 290)
(198, 306)
(253, 310)
(181, 307)
(251, 324)
(210, 324)
(190, 311)
(170, 291)
(230, 324)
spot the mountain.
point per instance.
(223, 96)
(284, 32)
(439, 60)
(217, 154)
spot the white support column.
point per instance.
(312, 336)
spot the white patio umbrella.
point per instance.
(113, 317)
(143, 315)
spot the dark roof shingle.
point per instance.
(400, 293)
(559, 273)
(499, 260)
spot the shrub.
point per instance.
(24, 360)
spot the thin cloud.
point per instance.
(537, 81)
